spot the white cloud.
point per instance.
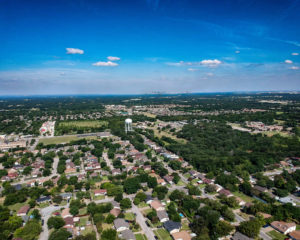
(211, 63)
(181, 63)
(208, 63)
(237, 51)
(105, 64)
(192, 69)
(295, 54)
(110, 58)
(288, 61)
(294, 68)
(209, 74)
(74, 51)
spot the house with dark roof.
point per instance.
(127, 235)
(148, 199)
(240, 236)
(172, 227)
(44, 199)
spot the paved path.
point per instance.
(46, 214)
(140, 219)
(107, 160)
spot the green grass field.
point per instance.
(140, 236)
(276, 235)
(82, 123)
(63, 139)
(17, 206)
(162, 234)
(243, 196)
(129, 216)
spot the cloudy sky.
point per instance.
(142, 46)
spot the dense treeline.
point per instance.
(215, 146)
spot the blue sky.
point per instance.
(141, 46)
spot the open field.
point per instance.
(88, 123)
(166, 134)
(63, 139)
(149, 115)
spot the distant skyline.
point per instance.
(142, 46)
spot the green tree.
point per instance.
(109, 234)
(60, 234)
(125, 203)
(55, 222)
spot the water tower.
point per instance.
(128, 125)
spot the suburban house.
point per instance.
(121, 225)
(169, 179)
(284, 227)
(240, 236)
(115, 204)
(44, 199)
(127, 235)
(225, 192)
(163, 216)
(183, 235)
(69, 222)
(66, 213)
(157, 206)
(148, 199)
(172, 227)
(115, 212)
(100, 192)
(295, 235)
(23, 211)
(116, 172)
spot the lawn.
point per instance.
(63, 203)
(142, 205)
(194, 181)
(162, 234)
(140, 236)
(107, 226)
(98, 197)
(129, 216)
(63, 139)
(83, 221)
(185, 225)
(88, 123)
(276, 235)
(146, 211)
(243, 196)
(17, 206)
(187, 175)
(44, 204)
(82, 211)
(88, 229)
(180, 183)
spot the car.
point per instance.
(147, 223)
(42, 221)
(156, 237)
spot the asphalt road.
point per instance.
(46, 214)
(141, 221)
